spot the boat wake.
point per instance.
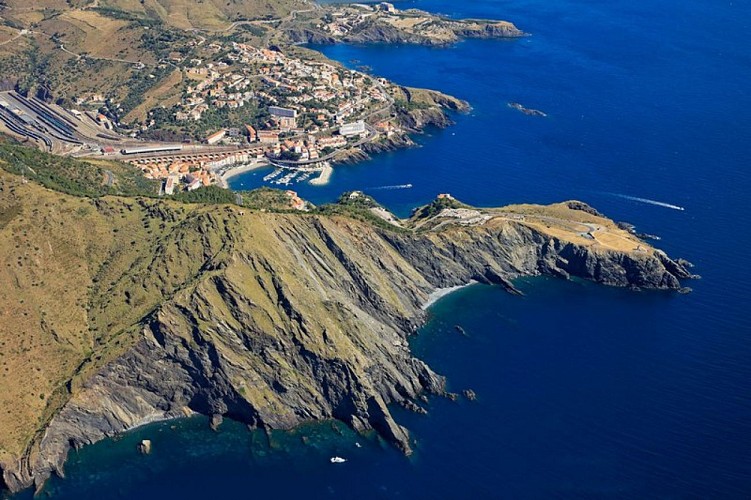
(398, 186)
(648, 201)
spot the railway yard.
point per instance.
(86, 134)
(57, 129)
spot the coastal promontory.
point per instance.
(124, 309)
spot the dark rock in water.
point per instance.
(492, 276)
(452, 396)
(626, 226)
(413, 407)
(461, 330)
(647, 236)
(684, 263)
(215, 422)
(527, 111)
(144, 447)
(469, 394)
(337, 429)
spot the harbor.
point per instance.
(285, 175)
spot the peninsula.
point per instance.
(121, 308)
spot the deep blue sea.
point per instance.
(583, 391)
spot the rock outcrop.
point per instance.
(306, 317)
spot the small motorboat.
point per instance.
(338, 460)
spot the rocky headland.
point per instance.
(414, 111)
(273, 319)
(372, 24)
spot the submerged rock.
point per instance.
(527, 111)
(469, 394)
(215, 422)
(452, 396)
(413, 407)
(144, 447)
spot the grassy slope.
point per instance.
(81, 178)
(81, 274)
(183, 14)
(82, 269)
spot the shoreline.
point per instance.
(440, 293)
(223, 179)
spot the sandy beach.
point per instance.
(439, 293)
(240, 169)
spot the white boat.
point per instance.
(338, 460)
(272, 174)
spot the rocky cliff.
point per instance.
(415, 27)
(279, 319)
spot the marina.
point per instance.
(285, 175)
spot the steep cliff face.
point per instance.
(294, 318)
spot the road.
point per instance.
(292, 15)
(111, 59)
(591, 233)
(372, 134)
(21, 33)
(109, 178)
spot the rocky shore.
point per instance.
(407, 27)
(422, 109)
(293, 318)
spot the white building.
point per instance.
(216, 137)
(350, 129)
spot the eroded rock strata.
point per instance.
(289, 318)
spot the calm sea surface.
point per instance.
(583, 391)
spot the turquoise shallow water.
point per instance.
(583, 391)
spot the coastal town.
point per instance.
(309, 113)
(306, 114)
(219, 105)
(200, 106)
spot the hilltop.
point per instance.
(183, 14)
(120, 310)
